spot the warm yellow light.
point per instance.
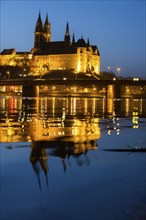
(78, 66)
(75, 89)
(96, 69)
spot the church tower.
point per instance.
(67, 35)
(47, 30)
(38, 33)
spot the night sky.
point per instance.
(117, 28)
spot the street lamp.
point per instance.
(8, 73)
(118, 70)
(109, 68)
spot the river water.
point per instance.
(72, 158)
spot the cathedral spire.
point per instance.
(67, 35)
(39, 17)
(47, 30)
(73, 39)
(46, 21)
(38, 33)
(39, 25)
(67, 29)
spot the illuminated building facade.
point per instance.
(78, 56)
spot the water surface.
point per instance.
(55, 161)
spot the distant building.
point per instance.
(46, 55)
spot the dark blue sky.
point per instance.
(117, 28)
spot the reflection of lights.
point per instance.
(53, 105)
(85, 105)
(77, 131)
(109, 132)
(135, 119)
(135, 126)
(118, 131)
(74, 105)
(134, 113)
(94, 105)
(127, 105)
(110, 105)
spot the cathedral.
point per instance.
(46, 55)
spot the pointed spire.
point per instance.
(39, 25)
(47, 30)
(67, 29)
(47, 20)
(73, 38)
(39, 17)
(67, 35)
(88, 42)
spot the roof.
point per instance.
(63, 47)
(58, 47)
(81, 43)
(23, 53)
(8, 51)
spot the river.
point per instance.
(72, 158)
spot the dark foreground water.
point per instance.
(72, 158)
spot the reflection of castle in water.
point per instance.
(38, 159)
(41, 150)
(69, 130)
(60, 117)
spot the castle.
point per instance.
(47, 55)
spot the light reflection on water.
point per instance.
(54, 163)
